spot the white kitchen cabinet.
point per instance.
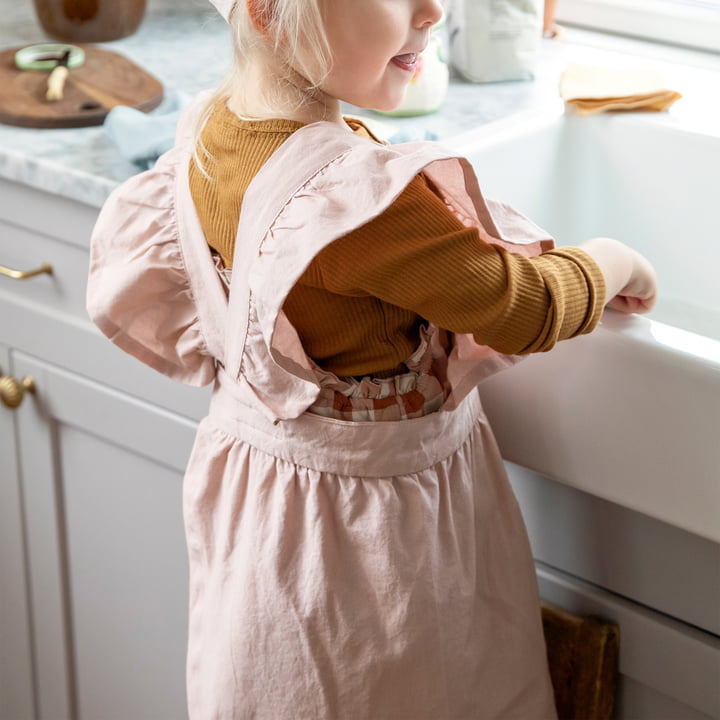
(107, 563)
(668, 670)
(93, 559)
(660, 584)
(16, 691)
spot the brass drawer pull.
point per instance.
(12, 391)
(25, 274)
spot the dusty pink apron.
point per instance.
(339, 570)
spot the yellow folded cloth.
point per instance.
(591, 89)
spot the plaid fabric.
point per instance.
(412, 394)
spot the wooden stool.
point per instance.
(583, 657)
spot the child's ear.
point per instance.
(260, 12)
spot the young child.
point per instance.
(355, 548)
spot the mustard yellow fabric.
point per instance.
(359, 305)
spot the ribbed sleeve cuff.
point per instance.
(582, 278)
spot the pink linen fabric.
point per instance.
(338, 570)
(359, 572)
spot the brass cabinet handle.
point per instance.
(25, 274)
(12, 391)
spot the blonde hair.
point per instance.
(293, 40)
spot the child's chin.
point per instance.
(389, 106)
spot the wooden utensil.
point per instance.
(107, 79)
(58, 76)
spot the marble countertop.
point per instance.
(182, 42)
(185, 45)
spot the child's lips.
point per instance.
(407, 61)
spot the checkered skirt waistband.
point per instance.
(412, 394)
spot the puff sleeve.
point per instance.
(139, 291)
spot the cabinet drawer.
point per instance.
(61, 291)
(633, 555)
(667, 669)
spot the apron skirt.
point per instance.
(358, 570)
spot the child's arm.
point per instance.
(417, 255)
(630, 280)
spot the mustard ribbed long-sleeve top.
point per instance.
(359, 305)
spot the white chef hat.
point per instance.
(223, 7)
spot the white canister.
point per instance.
(494, 40)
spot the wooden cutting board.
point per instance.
(105, 80)
(583, 653)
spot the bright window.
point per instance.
(692, 23)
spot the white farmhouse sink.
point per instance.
(630, 413)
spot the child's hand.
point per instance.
(629, 278)
(640, 293)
